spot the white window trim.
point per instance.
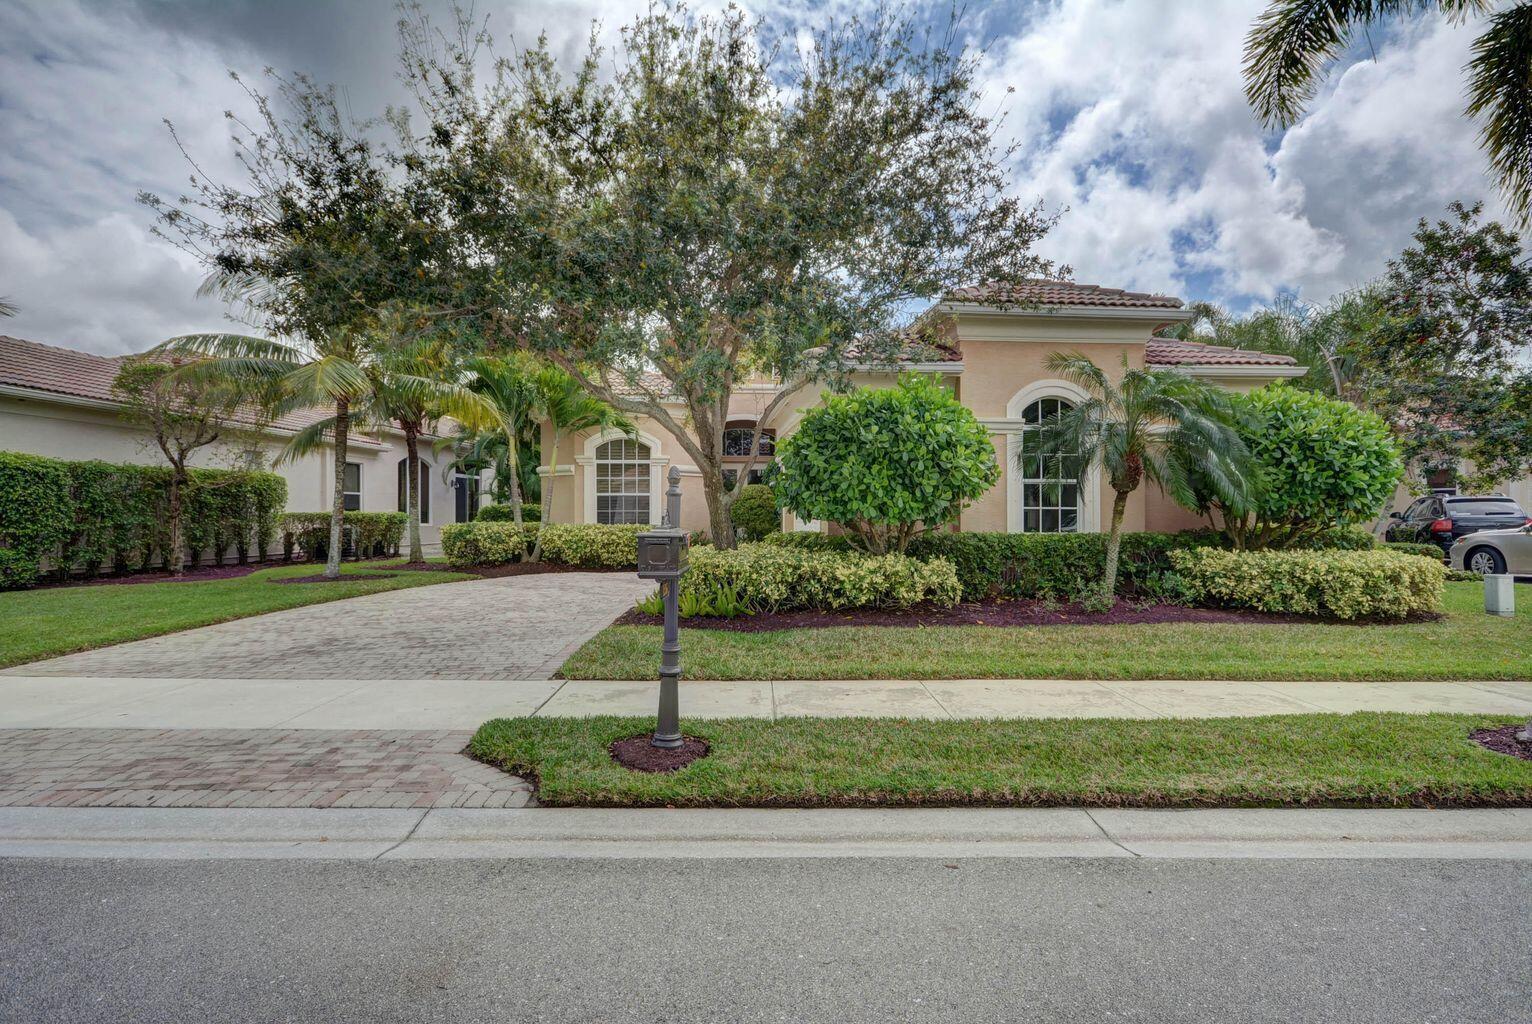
(1013, 425)
(586, 461)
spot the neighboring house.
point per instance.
(994, 361)
(58, 402)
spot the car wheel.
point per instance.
(1486, 561)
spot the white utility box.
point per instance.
(1500, 595)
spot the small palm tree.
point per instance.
(1154, 423)
(1293, 40)
(507, 386)
(568, 408)
(7, 307)
(286, 377)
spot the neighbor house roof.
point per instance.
(1039, 292)
(1170, 352)
(33, 366)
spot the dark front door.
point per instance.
(466, 492)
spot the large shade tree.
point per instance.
(1293, 42)
(712, 206)
(1153, 424)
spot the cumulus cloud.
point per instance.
(1128, 112)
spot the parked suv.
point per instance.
(1441, 519)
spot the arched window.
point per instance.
(622, 482)
(425, 488)
(1050, 495)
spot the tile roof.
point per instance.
(64, 371)
(1033, 291)
(1170, 352)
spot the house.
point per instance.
(59, 403)
(997, 341)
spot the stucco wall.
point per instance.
(62, 431)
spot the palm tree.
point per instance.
(506, 385)
(330, 371)
(7, 307)
(1154, 423)
(1291, 43)
(568, 408)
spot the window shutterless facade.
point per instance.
(351, 488)
(1050, 493)
(623, 482)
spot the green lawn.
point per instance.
(44, 623)
(1467, 644)
(1387, 760)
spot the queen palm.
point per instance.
(1293, 40)
(567, 408)
(1151, 423)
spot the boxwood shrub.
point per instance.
(531, 512)
(586, 545)
(1329, 584)
(771, 578)
(1423, 550)
(755, 512)
(484, 543)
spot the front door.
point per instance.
(465, 490)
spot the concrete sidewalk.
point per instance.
(434, 704)
(730, 834)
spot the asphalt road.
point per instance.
(766, 940)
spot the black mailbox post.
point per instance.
(662, 556)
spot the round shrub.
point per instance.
(886, 463)
(1321, 464)
(755, 512)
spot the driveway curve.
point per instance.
(515, 627)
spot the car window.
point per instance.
(1485, 506)
(1413, 512)
(1433, 509)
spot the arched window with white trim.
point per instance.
(1050, 491)
(622, 481)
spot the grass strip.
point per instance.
(61, 620)
(1465, 644)
(1357, 760)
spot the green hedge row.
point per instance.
(93, 516)
(1423, 550)
(531, 512)
(1056, 565)
(1329, 584)
(370, 534)
(771, 578)
(587, 545)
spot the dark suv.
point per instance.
(1441, 519)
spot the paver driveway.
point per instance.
(516, 627)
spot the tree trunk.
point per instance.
(174, 546)
(513, 460)
(338, 500)
(412, 472)
(1113, 547)
(547, 496)
(720, 521)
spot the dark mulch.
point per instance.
(638, 754)
(995, 612)
(1503, 741)
(201, 574)
(322, 578)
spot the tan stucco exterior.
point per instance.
(1001, 370)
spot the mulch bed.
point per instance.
(999, 612)
(322, 578)
(1503, 741)
(201, 574)
(637, 754)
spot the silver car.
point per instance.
(1494, 551)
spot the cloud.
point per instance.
(1131, 114)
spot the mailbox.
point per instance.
(663, 554)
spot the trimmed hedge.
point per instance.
(1330, 584)
(371, 534)
(587, 545)
(770, 578)
(1057, 565)
(91, 516)
(1423, 550)
(755, 512)
(483, 543)
(531, 512)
